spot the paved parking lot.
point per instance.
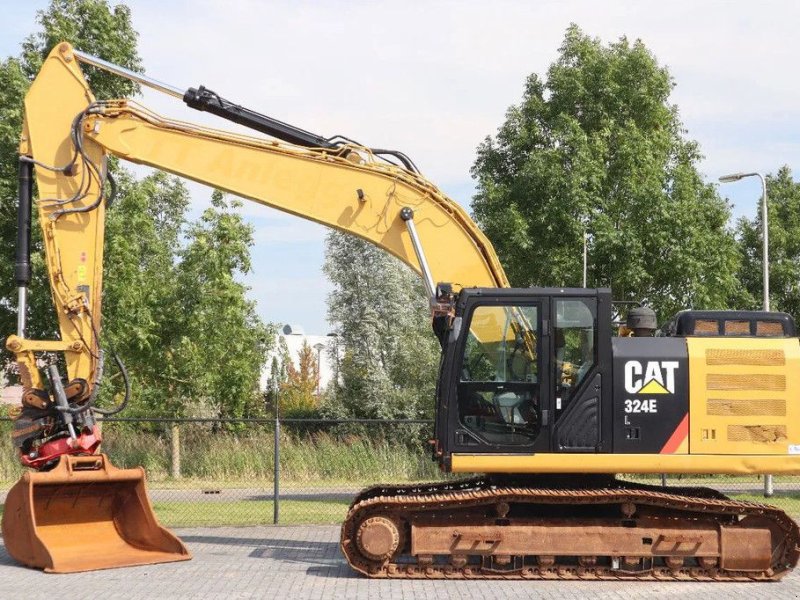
(304, 562)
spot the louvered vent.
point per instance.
(737, 327)
(756, 381)
(771, 358)
(757, 433)
(746, 408)
(769, 328)
(706, 327)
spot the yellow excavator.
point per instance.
(536, 391)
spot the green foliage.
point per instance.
(102, 30)
(306, 458)
(388, 365)
(298, 393)
(140, 280)
(213, 341)
(95, 27)
(597, 142)
(173, 308)
(783, 204)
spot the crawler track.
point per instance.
(559, 528)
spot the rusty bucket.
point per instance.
(83, 515)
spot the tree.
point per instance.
(94, 27)
(783, 206)
(596, 144)
(298, 394)
(98, 28)
(140, 281)
(379, 311)
(173, 308)
(216, 344)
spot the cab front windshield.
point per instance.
(499, 377)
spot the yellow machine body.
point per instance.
(744, 418)
(742, 415)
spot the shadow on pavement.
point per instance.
(342, 571)
(6, 560)
(325, 558)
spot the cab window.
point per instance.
(574, 344)
(498, 390)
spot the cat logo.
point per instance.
(656, 377)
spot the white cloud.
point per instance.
(434, 78)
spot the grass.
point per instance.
(788, 502)
(249, 512)
(241, 513)
(323, 460)
(246, 456)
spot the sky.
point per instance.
(433, 79)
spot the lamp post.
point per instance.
(764, 225)
(585, 257)
(585, 223)
(768, 488)
(335, 337)
(319, 347)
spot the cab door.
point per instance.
(578, 374)
(494, 388)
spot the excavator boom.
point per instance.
(64, 146)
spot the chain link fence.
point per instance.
(224, 472)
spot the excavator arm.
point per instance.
(68, 135)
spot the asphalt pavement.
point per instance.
(299, 562)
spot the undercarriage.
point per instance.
(565, 527)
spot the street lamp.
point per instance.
(335, 337)
(768, 489)
(585, 222)
(585, 256)
(764, 224)
(319, 347)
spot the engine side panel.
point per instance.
(744, 395)
(650, 395)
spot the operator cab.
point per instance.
(521, 371)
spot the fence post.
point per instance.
(276, 486)
(768, 488)
(663, 480)
(175, 444)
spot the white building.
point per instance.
(295, 337)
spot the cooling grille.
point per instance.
(706, 327)
(746, 408)
(737, 327)
(758, 381)
(756, 433)
(769, 328)
(745, 357)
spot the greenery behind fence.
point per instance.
(227, 469)
(229, 454)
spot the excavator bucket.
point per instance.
(84, 515)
